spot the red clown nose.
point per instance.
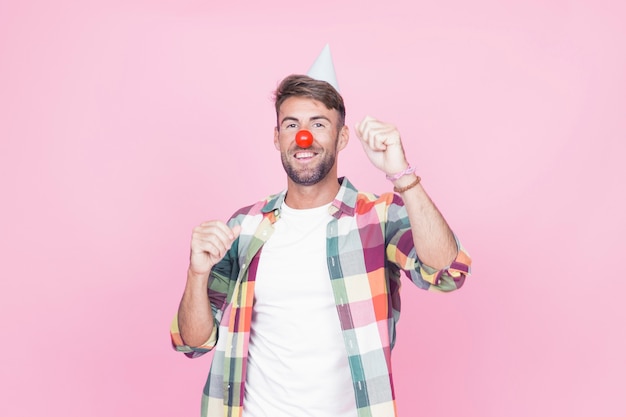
(304, 139)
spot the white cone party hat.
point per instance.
(323, 68)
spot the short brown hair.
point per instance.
(304, 86)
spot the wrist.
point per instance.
(399, 174)
(196, 276)
(406, 182)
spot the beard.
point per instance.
(308, 175)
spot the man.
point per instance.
(303, 287)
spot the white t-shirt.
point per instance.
(297, 361)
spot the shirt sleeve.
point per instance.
(192, 352)
(401, 251)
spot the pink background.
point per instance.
(125, 123)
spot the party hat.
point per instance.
(323, 68)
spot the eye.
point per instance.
(318, 125)
(290, 126)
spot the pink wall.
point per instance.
(125, 123)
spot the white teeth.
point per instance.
(302, 155)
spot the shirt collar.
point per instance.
(344, 202)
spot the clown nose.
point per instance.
(304, 139)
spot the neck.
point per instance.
(311, 196)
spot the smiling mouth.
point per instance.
(304, 155)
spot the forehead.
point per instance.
(304, 108)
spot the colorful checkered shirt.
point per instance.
(369, 243)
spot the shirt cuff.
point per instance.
(180, 346)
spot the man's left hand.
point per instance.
(382, 144)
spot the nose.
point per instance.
(304, 138)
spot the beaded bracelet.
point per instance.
(407, 187)
(409, 170)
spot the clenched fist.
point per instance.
(382, 144)
(209, 243)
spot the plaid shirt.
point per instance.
(369, 243)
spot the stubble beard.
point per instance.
(309, 175)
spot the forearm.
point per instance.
(195, 317)
(434, 241)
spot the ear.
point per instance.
(276, 144)
(344, 137)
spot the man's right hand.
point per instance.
(209, 243)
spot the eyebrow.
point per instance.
(295, 119)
